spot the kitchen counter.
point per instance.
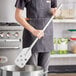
(64, 20)
(62, 74)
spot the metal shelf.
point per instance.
(62, 55)
(64, 20)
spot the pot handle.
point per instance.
(0, 72)
(43, 73)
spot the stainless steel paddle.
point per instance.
(25, 54)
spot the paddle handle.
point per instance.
(45, 27)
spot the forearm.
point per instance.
(24, 23)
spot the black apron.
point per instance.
(39, 13)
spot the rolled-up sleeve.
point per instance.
(20, 4)
(53, 3)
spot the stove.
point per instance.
(10, 42)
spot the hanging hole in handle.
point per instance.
(17, 60)
(25, 59)
(20, 55)
(21, 59)
(22, 64)
(42, 73)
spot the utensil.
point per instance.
(25, 54)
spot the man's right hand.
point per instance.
(38, 33)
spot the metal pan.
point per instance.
(28, 70)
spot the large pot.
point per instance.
(28, 70)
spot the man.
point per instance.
(38, 14)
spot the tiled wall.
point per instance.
(65, 1)
(60, 31)
(63, 61)
(60, 28)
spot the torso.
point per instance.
(39, 8)
(39, 13)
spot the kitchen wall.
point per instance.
(65, 1)
(7, 11)
(59, 28)
(63, 61)
(60, 31)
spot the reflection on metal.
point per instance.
(3, 59)
(28, 70)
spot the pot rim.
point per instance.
(3, 69)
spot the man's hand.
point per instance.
(38, 33)
(26, 25)
(53, 11)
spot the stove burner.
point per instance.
(13, 24)
(3, 24)
(8, 24)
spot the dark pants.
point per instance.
(40, 59)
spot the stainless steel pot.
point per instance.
(28, 70)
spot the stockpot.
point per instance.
(28, 70)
